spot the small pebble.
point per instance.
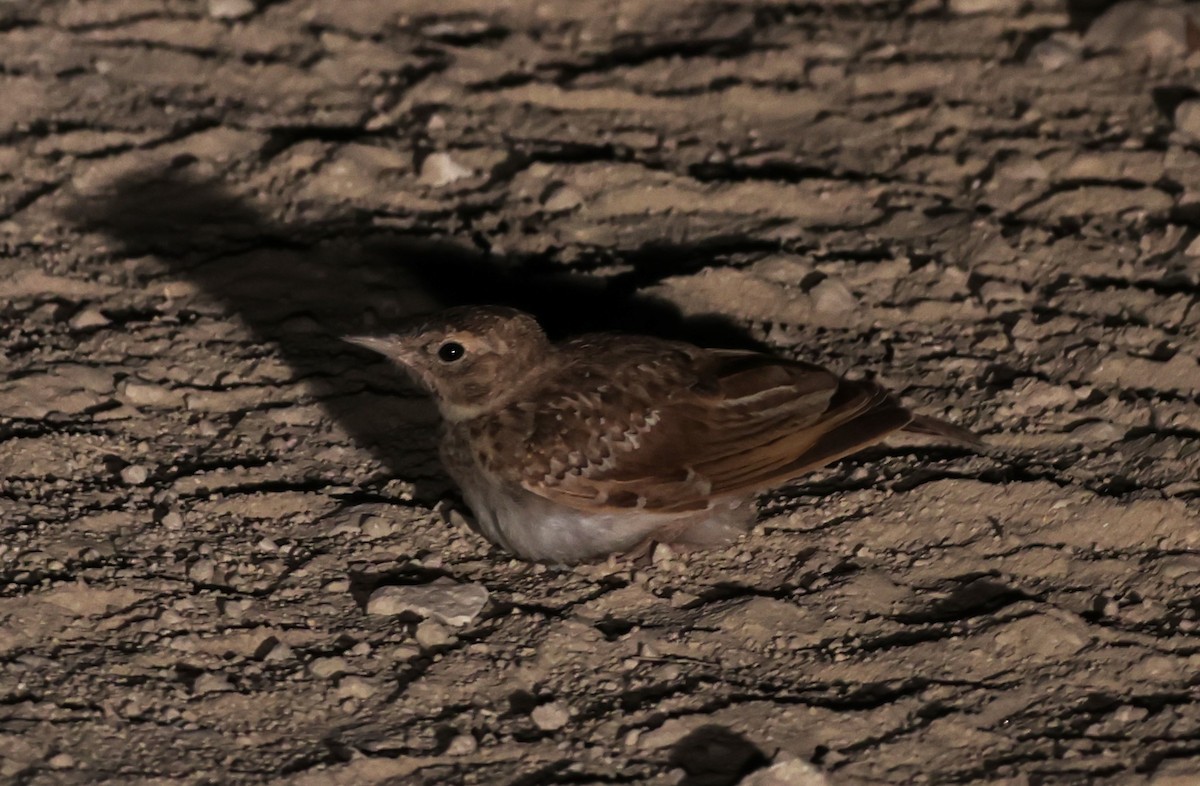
(134, 475)
(170, 618)
(327, 667)
(355, 688)
(377, 527)
(431, 634)
(462, 745)
(172, 520)
(61, 761)
(230, 9)
(832, 297)
(793, 772)
(145, 394)
(405, 652)
(1056, 53)
(1098, 431)
(88, 318)
(681, 599)
(337, 586)
(234, 608)
(439, 169)
(279, 651)
(212, 682)
(550, 717)
(1187, 118)
(561, 198)
(202, 570)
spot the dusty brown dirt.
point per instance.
(201, 486)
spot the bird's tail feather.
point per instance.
(932, 427)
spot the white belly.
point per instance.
(537, 529)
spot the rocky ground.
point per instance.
(216, 519)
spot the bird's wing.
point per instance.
(743, 422)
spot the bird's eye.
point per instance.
(450, 352)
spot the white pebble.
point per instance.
(793, 772)
(230, 9)
(550, 717)
(61, 761)
(355, 688)
(439, 169)
(443, 601)
(662, 555)
(1187, 118)
(134, 475)
(88, 318)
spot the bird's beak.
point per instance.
(387, 346)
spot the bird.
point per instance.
(607, 443)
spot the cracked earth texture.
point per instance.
(201, 485)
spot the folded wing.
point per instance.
(747, 423)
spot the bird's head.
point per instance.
(472, 358)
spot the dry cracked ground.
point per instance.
(990, 206)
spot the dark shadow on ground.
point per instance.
(713, 755)
(1082, 13)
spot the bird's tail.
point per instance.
(932, 427)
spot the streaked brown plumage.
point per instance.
(575, 450)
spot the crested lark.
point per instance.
(595, 445)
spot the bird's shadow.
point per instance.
(301, 286)
(714, 755)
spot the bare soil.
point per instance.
(202, 485)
